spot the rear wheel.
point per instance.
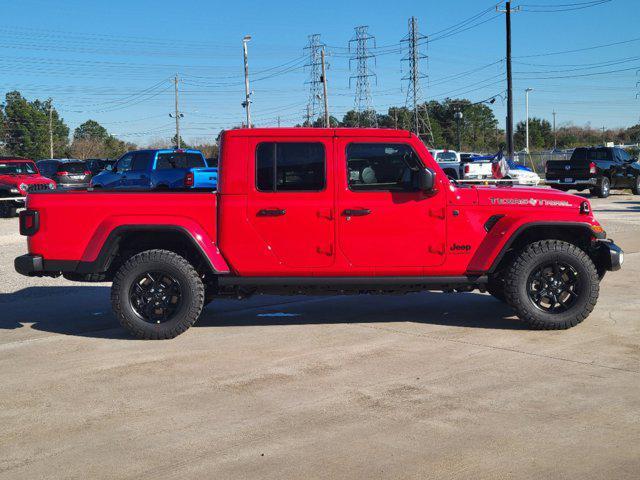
(602, 190)
(157, 294)
(552, 285)
(635, 188)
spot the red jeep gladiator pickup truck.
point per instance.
(308, 211)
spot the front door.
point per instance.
(383, 219)
(291, 201)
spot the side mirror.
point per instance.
(426, 179)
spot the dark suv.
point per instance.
(68, 174)
(598, 169)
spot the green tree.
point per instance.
(91, 130)
(355, 119)
(26, 131)
(540, 135)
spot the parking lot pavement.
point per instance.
(419, 386)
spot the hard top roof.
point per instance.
(317, 132)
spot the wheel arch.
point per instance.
(125, 241)
(579, 234)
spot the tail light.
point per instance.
(593, 168)
(87, 172)
(62, 174)
(188, 180)
(29, 222)
(467, 168)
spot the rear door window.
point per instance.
(290, 166)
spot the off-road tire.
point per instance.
(604, 189)
(537, 254)
(7, 211)
(192, 291)
(635, 188)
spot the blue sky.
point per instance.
(113, 61)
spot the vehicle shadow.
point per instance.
(86, 312)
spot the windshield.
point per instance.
(17, 168)
(168, 161)
(446, 157)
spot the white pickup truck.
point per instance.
(481, 170)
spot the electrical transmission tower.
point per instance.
(366, 116)
(314, 65)
(421, 123)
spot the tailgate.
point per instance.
(567, 169)
(205, 177)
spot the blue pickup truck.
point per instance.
(158, 170)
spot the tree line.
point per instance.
(29, 128)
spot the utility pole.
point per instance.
(603, 137)
(247, 93)
(50, 129)
(555, 135)
(526, 94)
(509, 128)
(177, 115)
(458, 116)
(278, 121)
(363, 105)
(422, 124)
(327, 122)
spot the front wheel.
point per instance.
(552, 285)
(157, 294)
(6, 210)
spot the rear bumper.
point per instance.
(588, 182)
(35, 266)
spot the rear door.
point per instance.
(290, 201)
(384, 221)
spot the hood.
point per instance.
(527, 197)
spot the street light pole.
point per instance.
(247, 101)
(526, 93)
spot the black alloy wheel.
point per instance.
(156, 296)
(554, 287)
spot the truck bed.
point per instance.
(74, 225)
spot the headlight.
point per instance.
(52, 186)
(24, 187)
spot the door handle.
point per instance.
(356, 212)
(273, 212)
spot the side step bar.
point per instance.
(360, 282)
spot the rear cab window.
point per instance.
(591, 154)
(446, 157)
(172, 160)
(72, 167)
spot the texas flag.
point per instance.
(499, 166)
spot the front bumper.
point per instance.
(610, 255)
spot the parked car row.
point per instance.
(142, 169)
(471, 166)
